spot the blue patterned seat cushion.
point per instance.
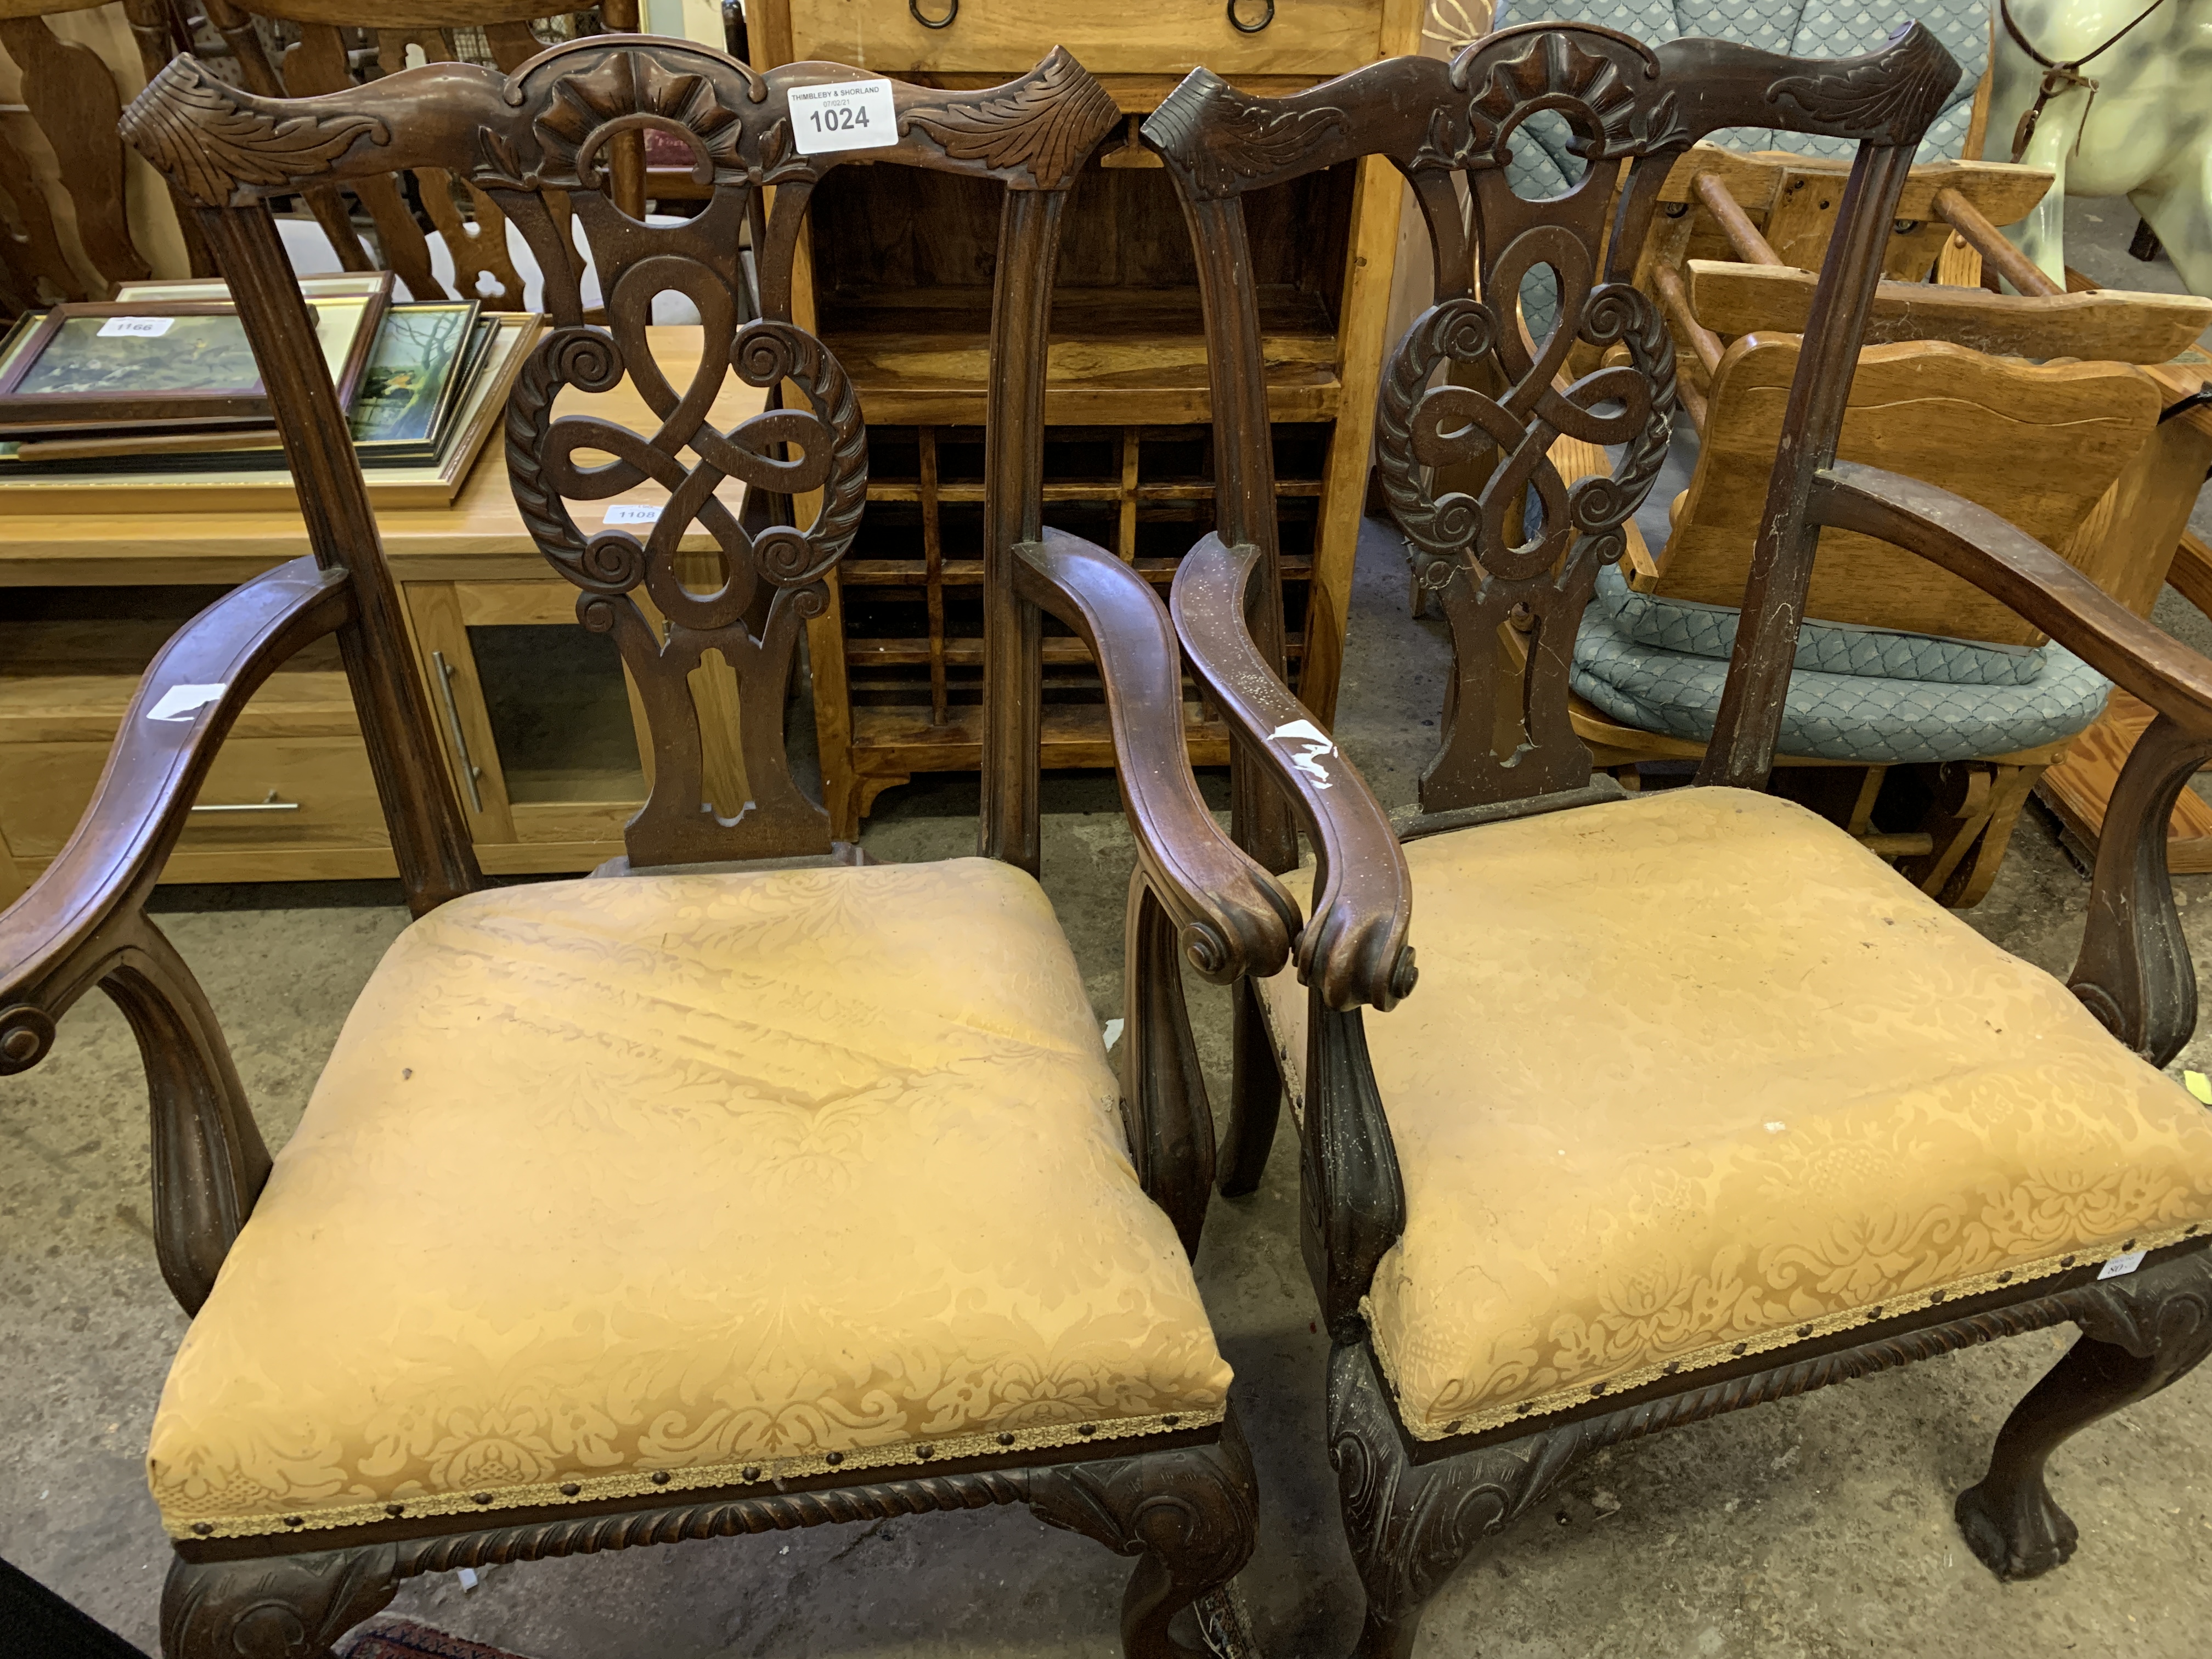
(1709, 630)
(1870, 718)
(1806, 28)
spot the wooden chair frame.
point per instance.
(1414, 1509)
(1183, 1501)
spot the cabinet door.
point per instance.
(538, 721)
(1133, 37)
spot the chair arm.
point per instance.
(83, 921)
(2008, 564)
(2134, 971)
(1354, 950)
(1232, 918)
(55, 940)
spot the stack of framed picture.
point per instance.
(156, 390)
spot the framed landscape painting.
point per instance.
(160, 362)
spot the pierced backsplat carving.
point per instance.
(756, 631)
(1525, 551)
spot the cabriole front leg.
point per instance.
(2138, 1334)
(1190, 1515)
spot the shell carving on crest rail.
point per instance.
(1592, 76)
(582, 109)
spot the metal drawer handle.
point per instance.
(272, 805)
(914, 9)
(470, 770)
(1266, 18)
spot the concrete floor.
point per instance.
(1816, 1527)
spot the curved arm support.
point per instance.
(82, 922)
(1354, 949)
(2134, 971)
(1232, 917)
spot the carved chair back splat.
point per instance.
(1511, 548)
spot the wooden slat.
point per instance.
(1998, 255)
(1736, 224)
(2108, 326)
(2002, 192)
(932, 559)
(2038, 446)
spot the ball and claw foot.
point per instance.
(2139, 1333)
(2035, 1538)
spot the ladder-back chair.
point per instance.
(658, 1207)
(1698, 1103)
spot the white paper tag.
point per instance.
(851, 115)
(1314, 742)
(2122, 1264)
(181, 703)
(143, 328)
(1112, 1032)
(632, 512)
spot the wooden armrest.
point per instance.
(2134, 971)
(1232, 917)
(1354, 949)
(1973, 542)
(84, 923)
(48, 937)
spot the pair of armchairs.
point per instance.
(689, 1201)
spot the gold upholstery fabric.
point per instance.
(712, 1177)
(1693, 1075)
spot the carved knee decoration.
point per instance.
(1411, 1526)
(285, 1607)
(1190, 1514)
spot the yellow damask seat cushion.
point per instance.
(1693, 1075)
(645, 1186)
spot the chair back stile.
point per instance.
(540, 146)
(1523, 552)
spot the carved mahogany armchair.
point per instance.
(750, 1186)
(1700, 1103)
